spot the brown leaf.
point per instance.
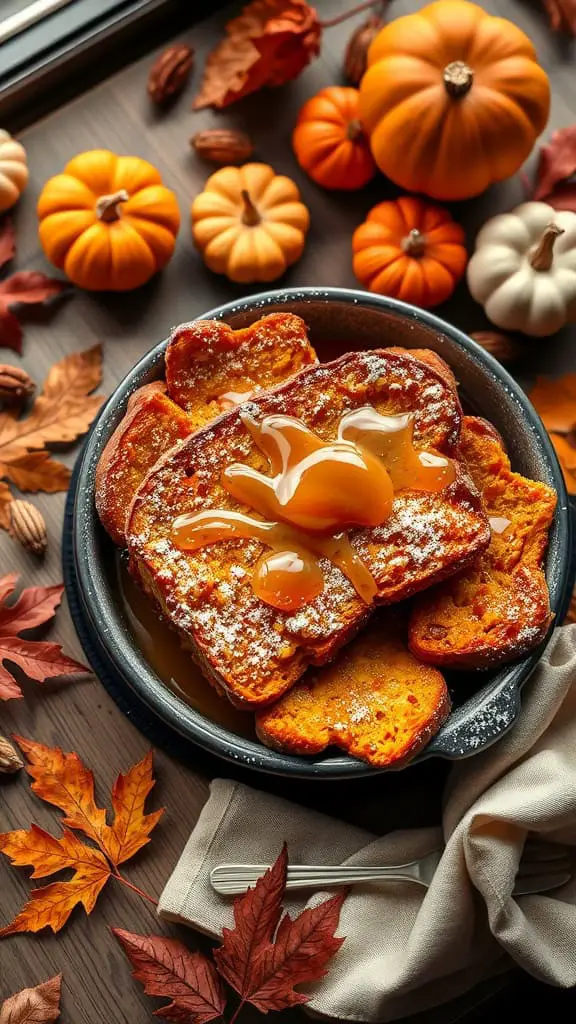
(557, 162)
(270, 43)
(562, 14)
(62, 412)
(28, 287)
(262, 968)
(555, 401)
(7, 241)
(38, 1005)
(166, 968)
(256, 916)
(6, 498)
(38, 659)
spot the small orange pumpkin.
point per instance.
(108, 221)
(411, 250)
(329, 142)
(453, 99)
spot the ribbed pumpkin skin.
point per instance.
(329, 142)
(383, 266)
(101, 255)
(13, 170)
(428, 140)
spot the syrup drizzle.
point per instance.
(317, 490)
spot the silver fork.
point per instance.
(544, 866)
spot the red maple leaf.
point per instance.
(40, 660)
(31, 288)
(167, 968)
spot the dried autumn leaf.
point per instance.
(29, 287)
(270, 43)
(7, 241)
(555, 401)
(6, 498)
(566, 457)
(562, 14)
(38, 1005)
(62, 779)
(571, 613)
(40, 660)
(166, 968)
(262, 968)
(62, 412)
(557, 162)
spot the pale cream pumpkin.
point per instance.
(13, 170)
(249, 223)
(524, 269)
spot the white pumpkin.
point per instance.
(523, 270)
(13, 170)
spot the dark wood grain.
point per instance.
(117, 115)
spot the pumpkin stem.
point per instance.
(250, 216)
(414, 244)
(458, 78)
(107, 206)
(354, 130)
(542, 254)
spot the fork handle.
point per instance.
(229, 879)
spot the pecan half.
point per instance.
(27, 526)
(222, 146)
(356, 55)
(504, 348)
(170, 73)
(15, 384)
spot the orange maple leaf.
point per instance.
(269, 43)
(63, 780)
(555, 401)
(60, 414)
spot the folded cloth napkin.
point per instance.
(408, 949)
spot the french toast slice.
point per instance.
(151, 425)
(249, 650)
(205, 361)
(499, 608)
(210, 366)
(375, 701)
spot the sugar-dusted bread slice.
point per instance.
(152, 424)
(249, 650)
(426, 355)
(207, 361)
(376, 701)
(499, 607)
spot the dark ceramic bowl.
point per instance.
(485, 704)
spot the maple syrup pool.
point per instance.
(171, 663)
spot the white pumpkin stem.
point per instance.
(458, 78)
(414, 244)
(107, 206)
(250, 216)
(543, 254)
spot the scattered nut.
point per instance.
(223, 146)
(10, 759)
(170, 73)
(504, 348)
(356, 55)
(27, 526)
(15, 385)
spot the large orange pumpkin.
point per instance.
(410, 249)
(329, 142)
(108, 221)
(453, 99)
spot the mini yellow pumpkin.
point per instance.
(249, 223)
(13, 170)
(108, 221)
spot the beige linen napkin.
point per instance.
(408, 949)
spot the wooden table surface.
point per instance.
(81, 716)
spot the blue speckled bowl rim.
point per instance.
(472, 727)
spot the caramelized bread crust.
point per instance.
(426, 355)
(248, 649)
(206, 359)
(152, 424)
(499, 608)
(375, 701)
